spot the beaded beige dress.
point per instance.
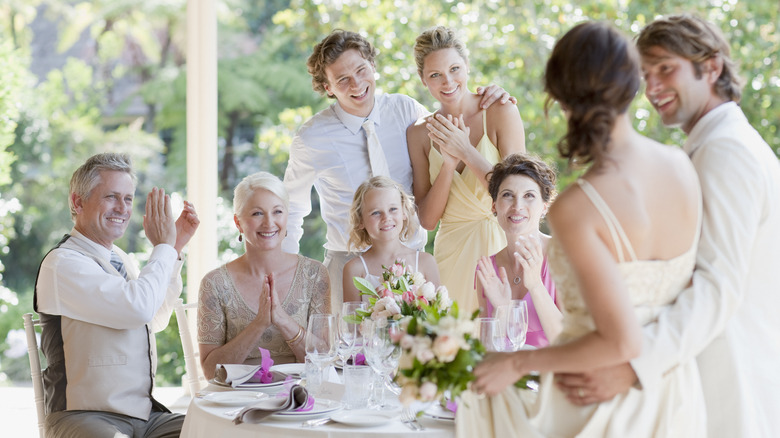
(223, 313)
(673, 409)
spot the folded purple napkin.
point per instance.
(264, 374)
(297, 399)
(237, 374)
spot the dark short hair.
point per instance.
(525, 165)
(696, 40)
(593, 72)
(328, 51)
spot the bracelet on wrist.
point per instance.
(296, 337)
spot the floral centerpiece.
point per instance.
(402, 293)
(438, 348)
(438, 356)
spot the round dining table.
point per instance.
(205, 419)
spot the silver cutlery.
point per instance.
(409, 418)
(316, 422)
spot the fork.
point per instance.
(409, 418)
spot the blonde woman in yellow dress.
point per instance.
(452, 151)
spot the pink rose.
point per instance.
(397, 270)
(386, 293)
(408, 297)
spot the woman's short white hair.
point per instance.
(260, 180)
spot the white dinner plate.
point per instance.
(322, 407)
(233, 398)
(439, 413)
(363, 418)
(263, 387)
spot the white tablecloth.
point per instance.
(207, 420)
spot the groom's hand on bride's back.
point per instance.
(596, 386)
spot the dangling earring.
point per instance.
(240, 237)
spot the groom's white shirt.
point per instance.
(728, 318)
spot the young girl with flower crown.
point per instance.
(381, 219)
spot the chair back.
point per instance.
(35, 369)
(193, 378)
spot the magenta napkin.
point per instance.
(264, 374)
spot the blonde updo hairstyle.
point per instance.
(254, 182)
(358, 236)
(434, 39)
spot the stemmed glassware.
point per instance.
(321, 344)
(381, 353)
(513, 324)
(350, 338)
(517, 324)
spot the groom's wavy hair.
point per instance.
(593, 73)
(358, 236)
(328, 51)
(696, 40)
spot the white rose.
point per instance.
(418, 278)
(444, 297)
(445, 348)
(407, 342)
(427, 291)
(428, 391)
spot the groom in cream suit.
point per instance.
(728, 318)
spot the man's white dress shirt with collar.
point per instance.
(330, 153)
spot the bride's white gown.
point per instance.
(673, 409)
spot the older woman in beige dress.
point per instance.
(264, 297)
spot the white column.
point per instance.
(202, 138)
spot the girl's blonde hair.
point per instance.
(358, 237)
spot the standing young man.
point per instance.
(727, 318)
(333, 150)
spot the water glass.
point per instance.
(489, 334)
(357, 385)
(321, 341)
(381, 353)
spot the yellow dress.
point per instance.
(675, 408)
(468, 230)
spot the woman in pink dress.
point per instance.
(522, 188)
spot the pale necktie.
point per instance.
(375, 154)
(117, 263)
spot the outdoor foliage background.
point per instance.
(109, 75)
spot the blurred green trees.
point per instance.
(119, 85)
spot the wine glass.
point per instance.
(381, 353)
(489, 334)
(321, 342)
(349, 333)
(517, 323)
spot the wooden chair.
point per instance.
(35, 369)
(194, 378)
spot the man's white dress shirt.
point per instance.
(330, 153)
(728, 318)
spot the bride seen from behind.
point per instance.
(623, 247)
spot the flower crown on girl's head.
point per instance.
(358, 237)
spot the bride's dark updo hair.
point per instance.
(593, 73)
